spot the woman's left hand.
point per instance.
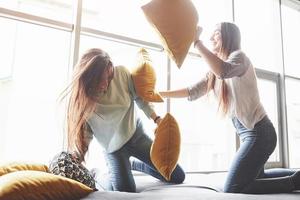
(199, 30)
(158, 121)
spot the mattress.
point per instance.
(195, 187)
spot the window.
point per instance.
(204, 125)
(106, 16)
(53, 9)
(32, 125)
(269, 98)
(293, 120)
(205, 134)
(7, 48)
(260, 33)
(208, 20)
(34, 70)
(291, 41)
(290, 23)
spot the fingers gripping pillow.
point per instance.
(175, 21)
(144, 78)
(165, 148)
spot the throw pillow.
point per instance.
(18, 166)
(144, 78)
(67, 165)
(37, 185)
(175, 21)
(165, 148)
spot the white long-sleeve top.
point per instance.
(243, 95)
(113, 122)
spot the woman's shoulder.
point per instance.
(237, 53)
(121, 70)
(239, 56)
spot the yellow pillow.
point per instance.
(165, 148)
(175, 21)
(13, 167)
(37, 185)
(144, 78)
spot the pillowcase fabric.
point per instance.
(18, 166)
(144, 78)
(175, 21)
(165, 148)
(67, 165)
(38, 185)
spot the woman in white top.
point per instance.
(232, 78)
(102, 105)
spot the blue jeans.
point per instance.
(247, 174)
(119, 165)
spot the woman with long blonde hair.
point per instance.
(102, 105)
(233, 80)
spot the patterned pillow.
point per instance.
(65, 164)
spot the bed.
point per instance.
(195, 187)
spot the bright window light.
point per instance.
(32, 129)
(291, 41)
(106, 16)
(293, 110)
(259, 22)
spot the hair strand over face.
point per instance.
(82, 100)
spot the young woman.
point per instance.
(232, 78)
(102, 104)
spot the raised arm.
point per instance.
(214, 62)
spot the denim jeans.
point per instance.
(247, 173)
(119, 165)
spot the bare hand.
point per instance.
(157, 124)
(75, 155)
(158, 121)
(199, 30)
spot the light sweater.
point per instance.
(243, 94)
(113, 122)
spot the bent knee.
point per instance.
(232, 189)
(124, 187)
(228, 190)
(177, 177)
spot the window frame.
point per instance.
(275, 77)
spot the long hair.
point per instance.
(82, 100)
(231, 41)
